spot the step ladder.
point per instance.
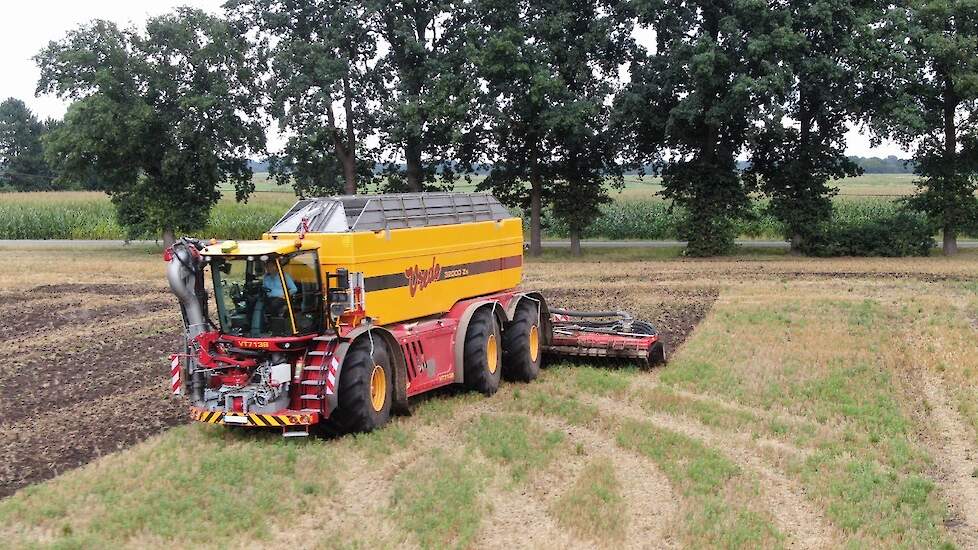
(318, 377)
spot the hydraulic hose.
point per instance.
(591, 314)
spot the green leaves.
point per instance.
(162, 115)
(927, 86)
(550, 70)
(321, 54)
(22, 164)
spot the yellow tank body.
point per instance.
(414, 272)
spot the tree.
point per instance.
(321, 57)
(549, 69)
(161, 116)
(928, 90)
(309, 164)
(426, 113)
(793, 164)
(696, 94)
(22, 165)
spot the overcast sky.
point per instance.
(27, 26)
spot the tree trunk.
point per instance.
(535, 210)
(350, 159)
(575, 242)
(950, 152)
(796, 241)
(412, 157)
(168, 237)
(350, 174)
(950, 241)
(343, 149)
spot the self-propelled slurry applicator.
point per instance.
(351, 305)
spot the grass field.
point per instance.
(806, 404)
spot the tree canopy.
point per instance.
(928, 84)
(550, 130)
(22, 164)
(321, 56)
(425, 113)
(162, 115)
(824, 42)
(695, 95)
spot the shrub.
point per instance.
(898, 232)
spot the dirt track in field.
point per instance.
(84, 375)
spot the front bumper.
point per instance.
(282, 419)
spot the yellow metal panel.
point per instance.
(416, 272)
(257, 248)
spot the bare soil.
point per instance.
(81, 378)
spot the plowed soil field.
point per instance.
(83, 375)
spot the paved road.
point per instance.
(56, 243)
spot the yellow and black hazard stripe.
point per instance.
(252, 419)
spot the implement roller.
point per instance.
(606, 334)
(351, 305)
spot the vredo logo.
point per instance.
(419, 278)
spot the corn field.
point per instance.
(89, 215)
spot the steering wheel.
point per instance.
(275, 306)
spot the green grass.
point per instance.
(593, 507)
(718, 497)
(197, 487)
(438, 501)
(601, 381)
(548, 402)
(380, 443)
(515, 442)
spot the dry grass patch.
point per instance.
(593, 507)
(664, 399)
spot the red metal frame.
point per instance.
(427, 346)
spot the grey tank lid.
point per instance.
(346, 213)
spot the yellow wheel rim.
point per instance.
(491, 359)
(534, 343)
(378, 388)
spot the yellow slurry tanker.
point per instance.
(351, 305)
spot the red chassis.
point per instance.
(426, 355)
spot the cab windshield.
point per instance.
(269, 295)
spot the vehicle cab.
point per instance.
(266, 289)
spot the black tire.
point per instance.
(523, 344)
(481, 336)
(356, 409)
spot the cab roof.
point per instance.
(258, 248)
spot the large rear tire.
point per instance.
(365, 390)
(482, 360)
(523, 344)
